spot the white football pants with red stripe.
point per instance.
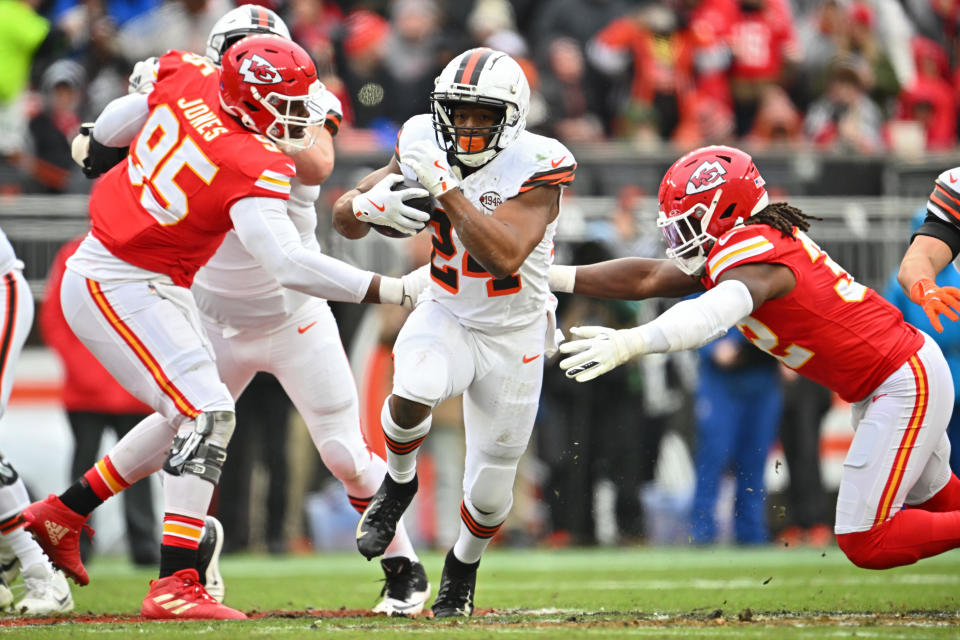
(900, 452)
(148, 335)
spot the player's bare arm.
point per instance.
(625, 279)
(764, 281)
(502, 241)
(315, 164)
(926, 257)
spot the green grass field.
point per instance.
(602, 593)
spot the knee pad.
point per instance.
(203, 451)
(343, 461)
(421, 375)
(491, 491)
(8, 475)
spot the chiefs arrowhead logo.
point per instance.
(705, 177)
(257, 70)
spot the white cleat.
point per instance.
(46, 592)
(6, 596)
(211, 544)
(405, 589)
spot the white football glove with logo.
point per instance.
(599, 350)
(430, 164)
(381, 205)
(143, 76)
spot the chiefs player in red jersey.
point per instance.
(763, 274)
(205, 158)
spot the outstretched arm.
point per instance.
(265, 229)
(625, 279)
(686, 325)
(925, 258)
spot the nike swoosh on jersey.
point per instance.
(306, 328)
(527, 359)
(556, 163)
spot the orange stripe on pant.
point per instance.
(146, 358)
(906, 442)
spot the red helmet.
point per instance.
(271, 85)
(704, 194)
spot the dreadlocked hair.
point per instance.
(782, 217)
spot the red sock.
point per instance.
(903, 539)
(947, 499)
(104, 479)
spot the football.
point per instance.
(423, 204)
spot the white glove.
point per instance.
(414, 283)
(80, 147)
(382, 206)
(143, 76)
(405, 289)
(599, 350)
(430, 164)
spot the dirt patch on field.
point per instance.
(554, 619)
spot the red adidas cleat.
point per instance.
(182, 597)
(57, 529)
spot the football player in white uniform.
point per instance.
(484, 322)
(255, 324)
(46, 591)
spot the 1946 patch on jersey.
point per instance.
(491, 200)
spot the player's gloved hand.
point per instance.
(598, 350)
(380, 205)
(404, 290)
(430, 164)
(80, 147)
(936, 300)
(143, 76)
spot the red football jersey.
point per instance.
(830, 328)
(167, 208)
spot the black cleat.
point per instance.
(455, 597)
(378, 524)
(405, 588)
(208, 558)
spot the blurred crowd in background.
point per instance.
(857, 76)
(860, 75)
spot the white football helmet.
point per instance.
(238, 23)
(487, 78)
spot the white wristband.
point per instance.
(391, 290)
(561, 278)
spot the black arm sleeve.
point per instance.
(101, 158)
(941, 230)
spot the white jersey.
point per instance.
(8, 259)
(235, 290)
(457, 281)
